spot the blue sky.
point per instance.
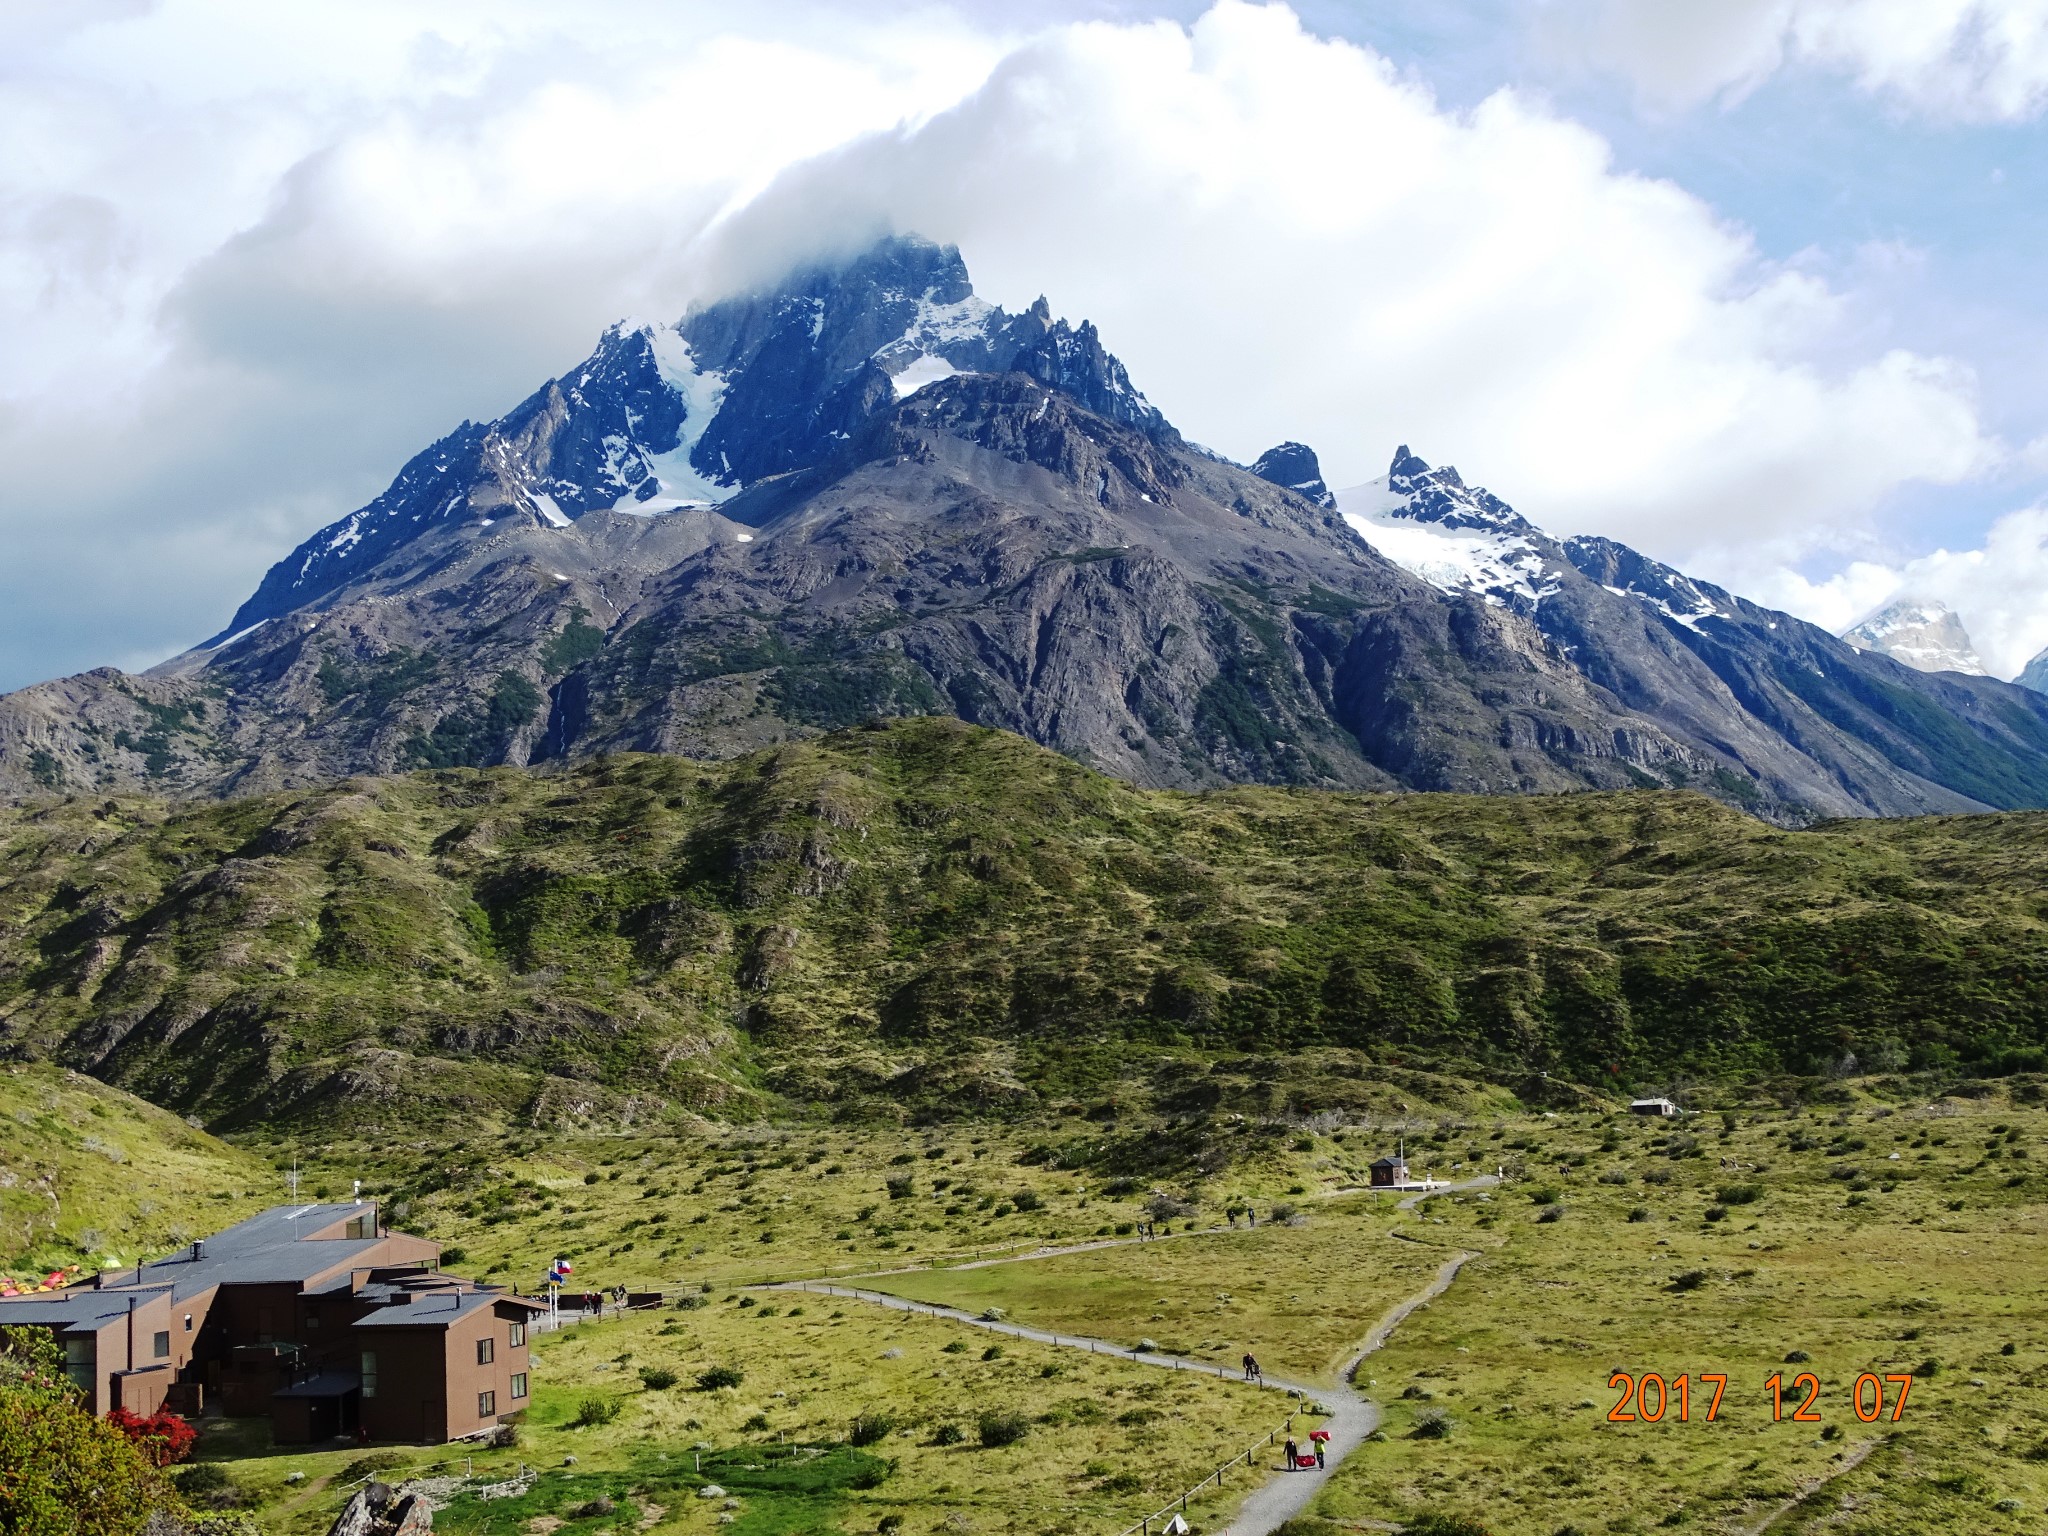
(1749, 283)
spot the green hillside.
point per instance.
(932, 918)
(90, 1176)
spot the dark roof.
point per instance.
(79, 1307)
(430, 1309)
(326, 1384)
(1389, 1162)
(266, 1249)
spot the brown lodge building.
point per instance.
(313, 1315)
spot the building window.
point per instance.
(188, 1322)
(486, 1404)
(160, 1346)
(486, 1351)
(518, 1335)
(312, 1318)
(81, 1358)
(518, 1385)
(369, 1374)
(361, 1227)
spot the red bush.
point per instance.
(163, 1437)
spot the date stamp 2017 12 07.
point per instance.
(1652, 1398)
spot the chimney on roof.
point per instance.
(198, 1249)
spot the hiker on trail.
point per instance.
(1320, 1463)
(1252, 1371)
(1293, 1454)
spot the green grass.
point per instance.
(1106, 1440)
(930, 921)
(1875, 1274)
(92, 1176)
(1824, 1244)
(1299, 1298)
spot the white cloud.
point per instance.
(1962, 59)
(2000, 591)
(265, 272)
(1285, 238)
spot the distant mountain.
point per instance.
(1924, 635)
(864, 491)
(2035, 674)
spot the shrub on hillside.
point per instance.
(368, 1465)
(999, 1427)
(870, 1429)
(657, 1378)
(1443, 1525)
(1431, 1424)
(595, 1410)
(719, 1376)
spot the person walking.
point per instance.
(1293, 1454)
(1248, 1364)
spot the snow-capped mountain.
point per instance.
(2034, 674)
(1921, 633)
(863, 490)
(665, 416)
(1456, 537)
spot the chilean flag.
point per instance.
(561, 1271)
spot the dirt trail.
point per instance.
(1807, 1490)
(1352, 1416)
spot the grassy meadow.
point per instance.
(1862, 1228)
(89, 1175)
(844, 1417)
(1298, 1297)
(1890, 1239)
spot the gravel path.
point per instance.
(1352, 1416)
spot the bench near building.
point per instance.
(313, 1315)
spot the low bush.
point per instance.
(1740, 1194)
(657, 1378)
(1431, 1424)
(1691, 1280)
(595, 1410)
(1443, 1525)
(719, 1376)
(948, 1434)
(163, 1437)
(870, 1429)
(369, 1465)
(996, 1428)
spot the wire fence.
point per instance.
(821, 1285)
(1164, 1515)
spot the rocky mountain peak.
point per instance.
(665, 416)
(1459, 538)
(1295, 466)
(2035, 674)
(1920, 633)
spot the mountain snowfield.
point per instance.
(1923, 634)
(863, 491)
